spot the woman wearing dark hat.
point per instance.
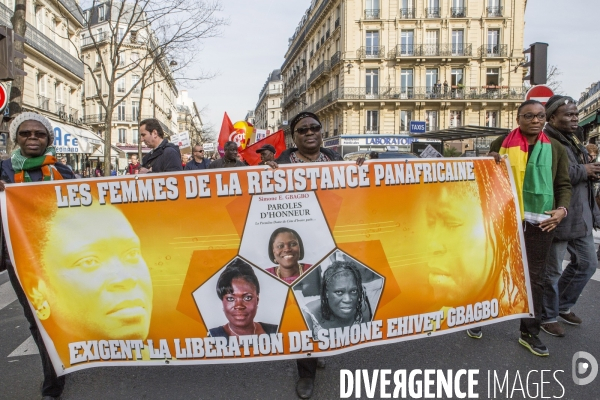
(34, 160)
(306, 133)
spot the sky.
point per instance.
(256, 39)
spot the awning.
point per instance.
(114, 152)
(74, 140)
(593, 117)
(463, 132)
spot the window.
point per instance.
(100, 112)
(121, 112)
(431, 43)
(372, 82)
(101, 13)
(433, 8)
(493, 42)
(458, 48)
(407, 43)
(58, 93)
(405, 118)
(39, 19)
(136, 135)
(458, 9)
(492, 76)
(431, 119)
(493, 8)
(456, 77)
(135, 56)
(431, 79)
(120, 84)
(491, 119)
(99, 82)
(54, 28)
(455, 119)
(122, 59)
(135, 109)
(406, 83)
(372, 121)
(120, 34)
(372, 49)
(122, 135)
(42, 85)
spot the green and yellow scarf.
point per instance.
(533, 177)
(22, 165)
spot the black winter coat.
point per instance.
(165, 158)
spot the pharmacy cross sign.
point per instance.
(3, 97)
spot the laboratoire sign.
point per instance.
(255, 264)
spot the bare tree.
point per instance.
(553, 80)
(167, 37)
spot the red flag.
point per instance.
(226, 130)
(276, 140)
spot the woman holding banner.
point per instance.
(306, 133)
(34, 160)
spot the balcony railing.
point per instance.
(494, 11)
(458, 12)
(97, 38)
(433, 12)
(335, 59)
(443, 49)
(60, 107)
(322, 68)
(493, 50)
(406, 13)
(74, 9)
(420, 93)
(47, 47)
(372, 14)
(371, 52)
(43, 103)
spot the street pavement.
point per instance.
(499, 351)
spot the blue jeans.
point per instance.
(561, 290)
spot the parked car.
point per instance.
(381, 155)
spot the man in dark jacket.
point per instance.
(561, 291)
(164, 156)
(229, 159)
(198, 160)
(34, 160)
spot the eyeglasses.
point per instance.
(530, 116)
(37, 134)
(200, 151)
(312, 128)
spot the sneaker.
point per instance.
(475, 333)
(553, 328)
(534, 344)
(570, 318)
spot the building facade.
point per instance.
(268, 109)
(156, 95)
(589, 112)
(189, 118)
(373, 66)
(54, 80)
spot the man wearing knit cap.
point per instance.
(561, 290)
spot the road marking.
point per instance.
(26, 348)
(7, 295)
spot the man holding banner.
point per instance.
(34, 160)
(540, 168)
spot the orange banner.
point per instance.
(254, 264)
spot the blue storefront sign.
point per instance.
(417, 126)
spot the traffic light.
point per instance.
(538, 63)
(8, 71)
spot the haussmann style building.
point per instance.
(370, 67)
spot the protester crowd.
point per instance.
(556, 177)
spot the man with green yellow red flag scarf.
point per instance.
(539, 165)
